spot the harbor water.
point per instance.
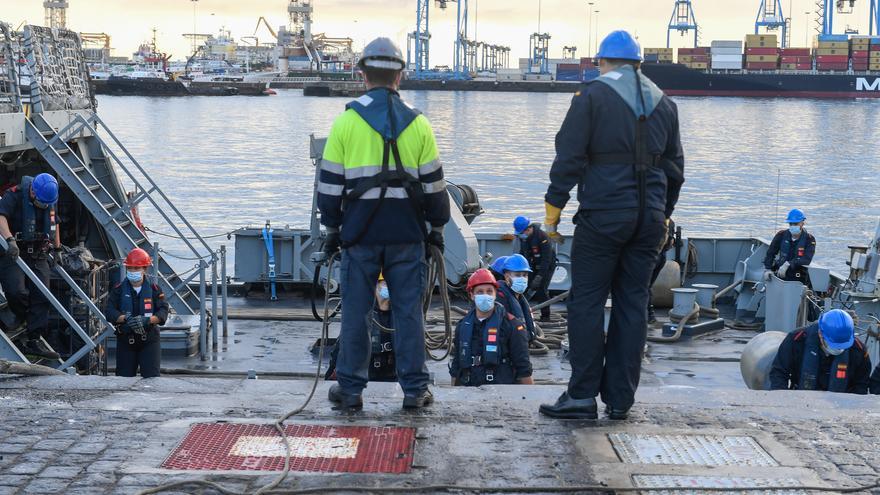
(237, 161)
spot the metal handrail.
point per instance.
(15, 93)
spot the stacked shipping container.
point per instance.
(796, 59)
(694, 58)
(658, 55)
(762, 52)
(831, 52)
(874, 55)
(860, 53)
(727, 55)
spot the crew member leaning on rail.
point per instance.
(381, 183)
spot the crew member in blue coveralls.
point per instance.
(490, 344)
(381, 323)
(823, 356)
(511, 288)
(536, 247)
(620, 145)
(137, 306)
(381, 182)
(497, 267)
(791, 251)
(27, 223)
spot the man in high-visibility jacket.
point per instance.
(381, 189)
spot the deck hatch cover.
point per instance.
(314, 448)
(691, 450)
(693, 483)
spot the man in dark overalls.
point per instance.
(619, 144)
(138, 307)
(381, 187)
(491, 346)
(539, 250)
(823, 356)
(27, 223)
(791, 251)
(512, 286)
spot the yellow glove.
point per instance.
(551, 222)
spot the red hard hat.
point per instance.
(138, 258)
(481, 277)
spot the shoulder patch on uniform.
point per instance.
(800, 334)
(520, 328)
(117, 285)
(510, 316)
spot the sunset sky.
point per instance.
(503, 22)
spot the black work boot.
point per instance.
(345, 401)
(424, 399)
(616, 414)
(569, 408)
(35, 347)
(652, 318)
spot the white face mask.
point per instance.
(831, 352)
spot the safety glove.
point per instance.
(12, 249)
(551, 222)
(332, 243)
(767, 275)
(782, 270)
(435, 238)
(536, 283)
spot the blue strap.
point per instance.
(491, 350)
(29, 214)
(270, 249)
(838, 378)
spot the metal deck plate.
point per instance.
(693, 483)
(328, 449)
(691, 450)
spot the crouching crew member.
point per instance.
(823, 356)
(512, 286)
(137, 306)
(491, 345)
(381, 325)
(791, 251)
(536, 247)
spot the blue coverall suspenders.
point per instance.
(29, 213)
(491, 356)
(838, 378)
(270, 250)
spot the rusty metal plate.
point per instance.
(691, 484)
(314, 448)
(690, 450)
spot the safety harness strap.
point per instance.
(838, 378)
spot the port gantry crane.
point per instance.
(825, 10)
(465, 58)
(772, 17)
(683, 20)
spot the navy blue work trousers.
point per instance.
(405, 269)
(612, 254)
(25, 299)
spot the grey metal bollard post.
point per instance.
(214, 334)
(203, 320)
(225, 289)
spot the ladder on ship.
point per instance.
(90, 177)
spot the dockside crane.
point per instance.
(56, 13)
(771, 16)
(825, 10)
(683, 20)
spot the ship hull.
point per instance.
(678, 80)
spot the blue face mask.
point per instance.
(522, 236)
(519, 284)
(795, 229)
(484, 302)
(134, 276)
(383, 292)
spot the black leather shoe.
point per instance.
(568, 408)
(345, 401)
(652, 318)
(37, 348)
(424, 399)
(616, 414)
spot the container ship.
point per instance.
(837, 66)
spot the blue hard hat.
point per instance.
(517, 263)
(521, 223)
(620, 45)
(45, 189)
(795, 216)
(836, 327)
(497, 265)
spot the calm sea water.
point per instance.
(237, 161)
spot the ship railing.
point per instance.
(57, 69)
(10, 47)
